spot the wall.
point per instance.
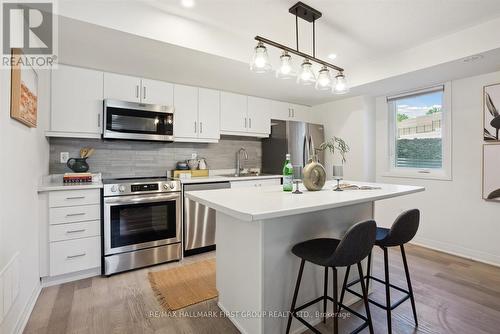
(136, 158)
(24, 154)
(353, 120)
(455, 218)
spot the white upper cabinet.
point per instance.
(186, 112)
(209, 114)
(122, 87)
(290, 112)
(196, 116)
(233, 113)
(259, 115)
(157, 92)
(76, 98)
(133, 89)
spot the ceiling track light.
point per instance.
(309, 14)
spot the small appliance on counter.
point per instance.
(141, 223)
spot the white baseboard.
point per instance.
(54, 280)
(25, 314)
(467, 253)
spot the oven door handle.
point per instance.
(141, 199)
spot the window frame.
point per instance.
(443, 173)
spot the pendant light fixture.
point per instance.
(260, 61)
(285, 71)
(340, 86)
(324, 81)
(306, 76)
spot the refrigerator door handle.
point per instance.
(306, 152)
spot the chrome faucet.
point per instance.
(238, 160)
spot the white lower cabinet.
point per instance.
(255, 183)
(74, 255)
(74, 241)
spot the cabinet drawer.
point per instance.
(255, 183)
(74, 230)
(74, 197)
(74, 255)
(72, 214)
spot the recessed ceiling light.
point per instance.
(473, 58)
(187, 3)
(332, 56)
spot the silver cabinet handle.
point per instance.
(76, 231)
(144, 92)
(293, 112)
(201, 127)
(194, 126)
(245, 122)
(76, 197)
(75, 214)
(137, 91)
(250, 123)
(99, 120)
(289, 112)
(77, 255)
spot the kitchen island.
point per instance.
(257, 227)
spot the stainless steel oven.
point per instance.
(141, 223)
(138, 121)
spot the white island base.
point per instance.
(256, 272)
(256, 229)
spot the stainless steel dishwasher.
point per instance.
(199, 220)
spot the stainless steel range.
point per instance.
(141, 223)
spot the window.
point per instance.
(419, 133)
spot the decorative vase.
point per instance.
(314, 175)
(78, 165)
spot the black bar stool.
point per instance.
(402, 231)
(356, 244)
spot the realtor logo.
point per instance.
(28, 27)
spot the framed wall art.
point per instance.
(491, 172)
(24, 92)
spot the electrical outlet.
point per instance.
(64, 156)
(194, 155)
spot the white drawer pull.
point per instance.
(76, 231)
(75, 256)
(75, 214)
(76, 197)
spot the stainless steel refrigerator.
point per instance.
(300, 139)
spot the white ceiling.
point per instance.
(210, 45)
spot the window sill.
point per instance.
(414, 174)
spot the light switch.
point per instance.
(64, 157)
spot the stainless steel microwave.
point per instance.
(138, 121)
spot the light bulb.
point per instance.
(306, 76)
(285, 71)
(187, 3)
(341, 86)
(260, 60)
(324, 81)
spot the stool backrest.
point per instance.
(356, 244)
(404, 228)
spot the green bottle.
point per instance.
(288, 174)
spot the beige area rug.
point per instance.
(185, 285)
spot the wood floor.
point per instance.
(453, 295)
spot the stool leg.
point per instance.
(365, 298)
(335, 303)
(344, 286)
(325, 294)
(387, 290)
(294, 300)
(368, 271)
(410, 288)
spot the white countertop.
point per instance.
(55, 182)
(221, 178)
(251, 204)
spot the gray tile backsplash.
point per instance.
(135, 158)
